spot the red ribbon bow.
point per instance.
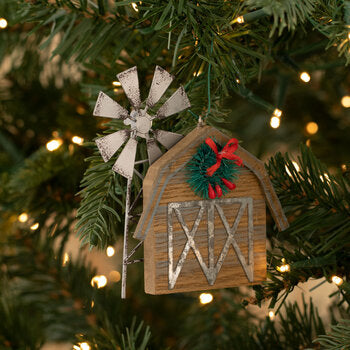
(227, 152)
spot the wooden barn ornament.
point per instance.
(193, 244)
(190, 243)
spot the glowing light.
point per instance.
(311, 128)
(34, 226)
(84, 346)
(23, 217)
(53, 145)
(308, 142)
(205, 298)
(240, 19)
(110, 251)
(345, 101)
(275, 122)
(305, 77)
(3, 23)
(277, 113)
(134, 6)
(283, 268)
(343, 167)
(76, 347)
(99, 281)
(114, 276)
(65, 259)
(80, 110)
(78, 140)
(238, 81)
(92, 304)
(271, 315)
(337, 280)
(116, 83)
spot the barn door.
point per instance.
(209, 210)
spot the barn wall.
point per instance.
(191, 276)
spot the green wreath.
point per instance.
(221, 181)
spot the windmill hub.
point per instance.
(143, 125)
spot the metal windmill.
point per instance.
(140, 123)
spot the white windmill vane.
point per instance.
(139, 120)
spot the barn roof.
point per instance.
(152, 191)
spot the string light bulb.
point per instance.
(110, 251)
(345, 101)
(240, 19)
(311, 128)
(275, 122)
(134, 6)
(277, 113)
(34, 226)
(283, 268)
(78, 140)
(23, 217)
(65, 259)
(114, 276)
(206, 298)
(271, 315)
(53, 145)
(305, 77)
(80, 110)
(3, 23)
(99, 281)
(82, 346)
(116, 83)
(337, 280)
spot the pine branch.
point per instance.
(59, 295)
(338, 338)
(40, 182)
(102, 204)
(109, 335)
(317, 204)
(286, 13)
(334, 24)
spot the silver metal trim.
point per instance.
(211, 272)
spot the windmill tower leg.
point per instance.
(126, 233)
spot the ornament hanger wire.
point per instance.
(199, 117)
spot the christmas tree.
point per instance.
(272, 73)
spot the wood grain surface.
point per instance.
(165, 183)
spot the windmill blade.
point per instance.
(177, 102)
(124, 165)
(110, 144)
(161, 80)
(130, 83)
(166, 138)
(106, 107)
(153, 151)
